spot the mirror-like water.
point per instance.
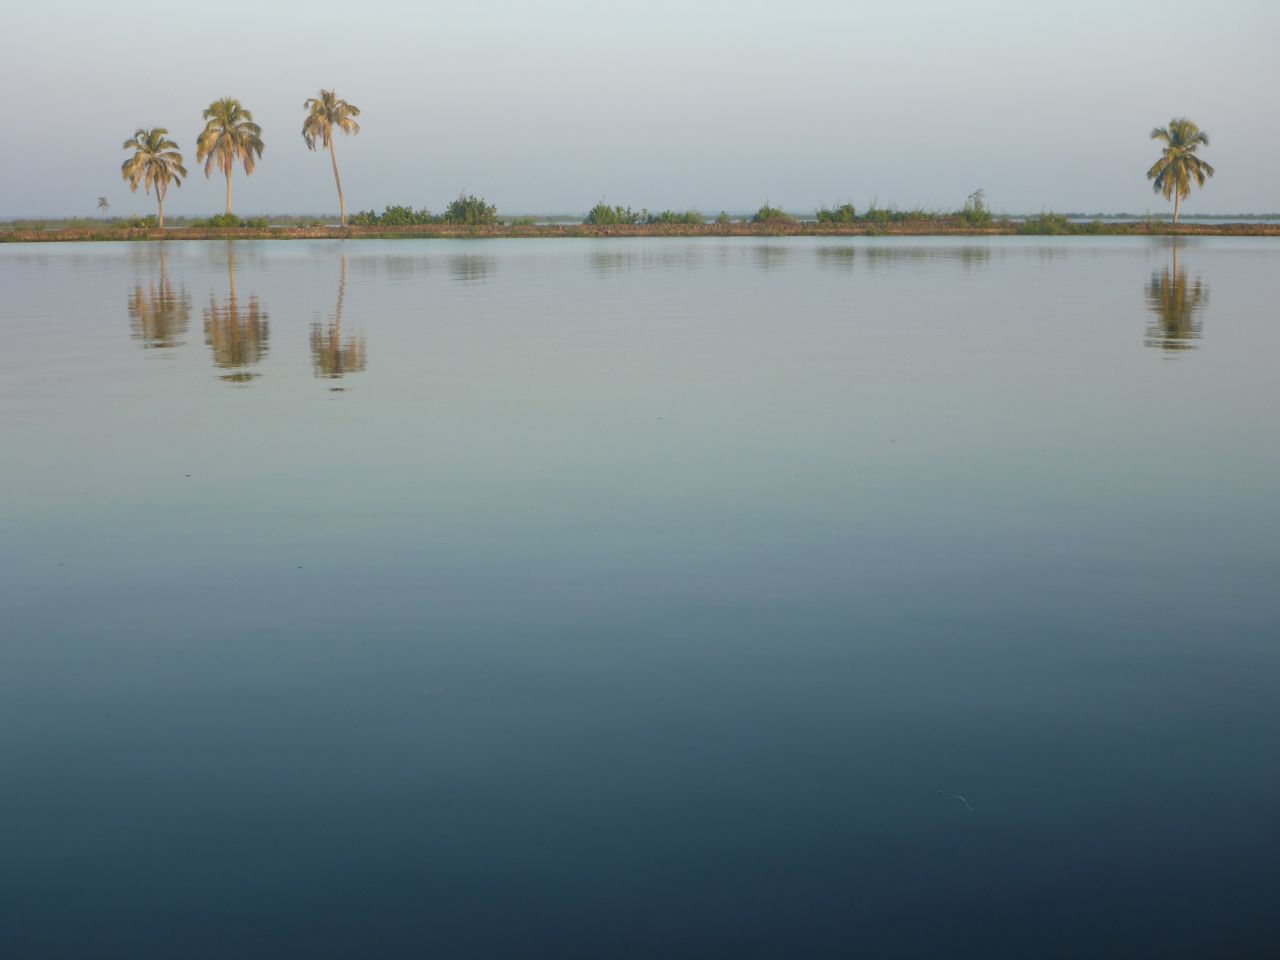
(641, 598)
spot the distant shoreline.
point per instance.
(925, 228)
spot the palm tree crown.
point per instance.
(1178, 165)
(155, 162)
(327, 113)
(229, 135)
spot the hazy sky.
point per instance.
(550, 106)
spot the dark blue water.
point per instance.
(672, 598)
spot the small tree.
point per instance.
(103, 204)
(471, 210)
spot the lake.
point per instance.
(884, 597)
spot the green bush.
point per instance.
(670, 216)
(470, 210)
(257, 222)
(1047, 224)
(768, 214)
(877, 214)
(392, 216)
(603, 215)
(523, 222)
(139, 223)
(975, 212)
(841, 214)
(219, 220)
(722, 218)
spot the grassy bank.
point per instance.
(1046, 225)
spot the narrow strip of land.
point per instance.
(922, 228)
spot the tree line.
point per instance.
(230, 137)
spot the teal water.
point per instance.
(640, 598)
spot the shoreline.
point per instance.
(924, 228)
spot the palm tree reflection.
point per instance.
(331, 356)
(1175, 301)
(158, 316)
(236, 332)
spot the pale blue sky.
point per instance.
(549, 106)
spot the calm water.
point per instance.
(885, 598)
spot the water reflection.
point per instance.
(967, 256)
(1175, 301)
(158, 316)
(472, 267)
(624, 259)
(331, 356)
(237, 333)
(841, 258)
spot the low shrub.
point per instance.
(975, 211)
(603, 215)
(768, 214)
(1047, 224)
(470, 210)
(845, 213)
(670, 216)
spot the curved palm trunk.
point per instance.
(160, 204)
(342, 206)
(228, 189)
(1177, 199)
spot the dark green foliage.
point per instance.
(975, 212)
(1047, 224)
(603, 215)
(841, 214)
(470, 210)
(257, 222)
(392, 216)
(670, 216)
(523, 222)
(722, 218)
(139, 223)
(220, 221)
(768, 214)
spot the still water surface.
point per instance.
(644, 598)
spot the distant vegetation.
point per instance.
(845, 213)
(472, 211)
(231, 137)
(768, 214)
(467, 210)
(603, 215)
(671, 216)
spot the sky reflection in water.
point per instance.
(647, 598)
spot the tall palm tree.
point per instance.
(155, 162)
(327, 113)
(229, 135)
(1178, 164)
(104, 204)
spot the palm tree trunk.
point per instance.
(1177, 199)
(228, 189)
(160, 203)
(342, 206)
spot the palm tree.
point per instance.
(327, 112)
(1178, 164)
(229, 135)
(103, 204)
(155, 162)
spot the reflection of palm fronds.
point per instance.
(1174, 301)
(158, 316)
(331, 355)
(238, 336)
